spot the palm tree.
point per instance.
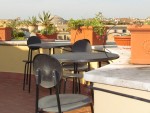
(47, 26)
(45, 19)
(33, 21)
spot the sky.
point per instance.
(77, 9)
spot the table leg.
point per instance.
(50, 51)
(53, 50)
(75, 82)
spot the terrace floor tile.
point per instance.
(14, 100)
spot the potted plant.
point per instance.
(48, 30)
(8, 29)
(92, 29)
(123, 39)
(45, 20)
(140, 42)
(33, 21)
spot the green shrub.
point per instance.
(21, 34)
(97, 23)
(19, 38)
(17, 33)
(48, 30)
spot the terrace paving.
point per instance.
(14, 100)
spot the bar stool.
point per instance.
(28, 63)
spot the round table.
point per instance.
(76, 57)
(85, 56)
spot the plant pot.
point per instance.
(5, 33)
(86, 33)
(41, 36)
(140, 44)
(122, 40)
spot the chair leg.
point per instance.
(30, 68)
(65, 80)
(76, 85)
(27, 74)
(60, 86)
(92, 109)
(24, 80)
(73, 85)
(92, 91)
(79, 88)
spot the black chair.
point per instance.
(48, 72)
(79, 46)
(28, 63)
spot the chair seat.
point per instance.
(68, 102)
(70, 66)
(73, 75)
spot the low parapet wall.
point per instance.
(12, 53)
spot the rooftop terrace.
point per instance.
(14, 100)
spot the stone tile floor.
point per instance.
(14, 100)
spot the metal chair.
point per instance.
(48, 73)
(79, 46)
(28, 63)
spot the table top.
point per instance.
(85, 56)
(49, 45)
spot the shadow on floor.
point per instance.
(14, 100)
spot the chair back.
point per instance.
(33, 40)
(86, 40)
(45, 68)
(82, 46)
